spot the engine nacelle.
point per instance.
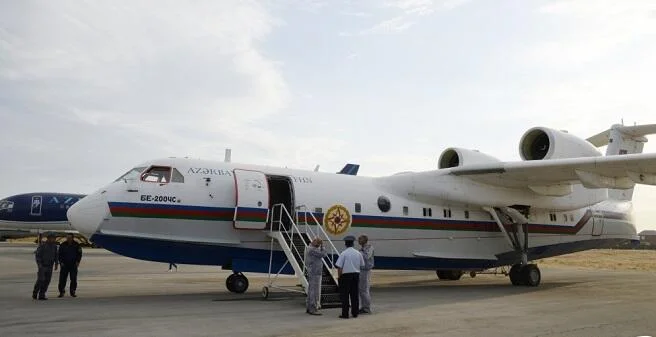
(454, 157)
(543, 143)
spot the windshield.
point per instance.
(132, 174)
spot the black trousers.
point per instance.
(66, 269)
(44, 275)
(348, 289)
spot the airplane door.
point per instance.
(252, 209)
(597, 226)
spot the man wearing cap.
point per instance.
(46, 258)
(348, 269)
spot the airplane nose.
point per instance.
(87, 214)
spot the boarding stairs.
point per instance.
(294, 236)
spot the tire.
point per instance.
(449, 275)
(455, 275)
(239, 284)
(229, 282)
(531, 275)
(265, 292)
(515, 275)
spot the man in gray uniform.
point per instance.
(367, 251)
(46, 258)
(314, 265)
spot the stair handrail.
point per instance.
(286, 232)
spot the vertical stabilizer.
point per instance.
(623, 140)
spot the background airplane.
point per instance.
(27, 214)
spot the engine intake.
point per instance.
(543, 143)
(455, 157)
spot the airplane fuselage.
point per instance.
(37, 211)
(205, 218)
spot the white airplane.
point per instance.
(473, 213)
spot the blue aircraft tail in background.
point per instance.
(350, 169)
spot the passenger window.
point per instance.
(430, 212)
(177, 176)
(424, 209)
(405, 210)
(358, 207)
(157, 174)
(466, 214)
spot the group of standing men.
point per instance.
(48, 256)
(354, 276)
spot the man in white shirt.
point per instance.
(348, 269)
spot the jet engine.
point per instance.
(454, 157)
(541, 143)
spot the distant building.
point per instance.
(648, 237)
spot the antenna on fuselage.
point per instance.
(316, 168)
(228, 154)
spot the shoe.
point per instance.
(73, 295)
(364, 311)
(342, 316)
(34, 297)
(314, 313)
(61, 295)
(43, 298)
(355, 316)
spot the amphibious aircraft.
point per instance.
(37, 212)
(472, 213)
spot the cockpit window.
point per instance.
(157, 174)
(177, 177)
(132, 174)
(6, 205)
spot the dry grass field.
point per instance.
(609, 259)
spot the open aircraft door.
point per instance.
(597, 226)
(252, 208)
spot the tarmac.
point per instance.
(119, 296)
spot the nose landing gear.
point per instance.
(237, 283)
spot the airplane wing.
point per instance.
(350, 169)
(617, 172)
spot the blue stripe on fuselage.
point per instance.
(257, 260)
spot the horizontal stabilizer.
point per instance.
(637, 131)
(350, 169)
(453, 256)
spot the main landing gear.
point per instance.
(525, 275)
(522, 273)
(237, 283)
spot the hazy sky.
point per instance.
(88, 89)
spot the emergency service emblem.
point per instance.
(337, 220)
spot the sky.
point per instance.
(89, 89)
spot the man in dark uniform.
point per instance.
(348, 269)
(46, 258)
(70, 255)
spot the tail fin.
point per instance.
(623, 140)
(350, 169)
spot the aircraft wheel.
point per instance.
(239, 283)
(456, 274)
(515, 275)
(449, 275)
(531, 275)
(265, 292)
(229, 282)
(472, 274)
